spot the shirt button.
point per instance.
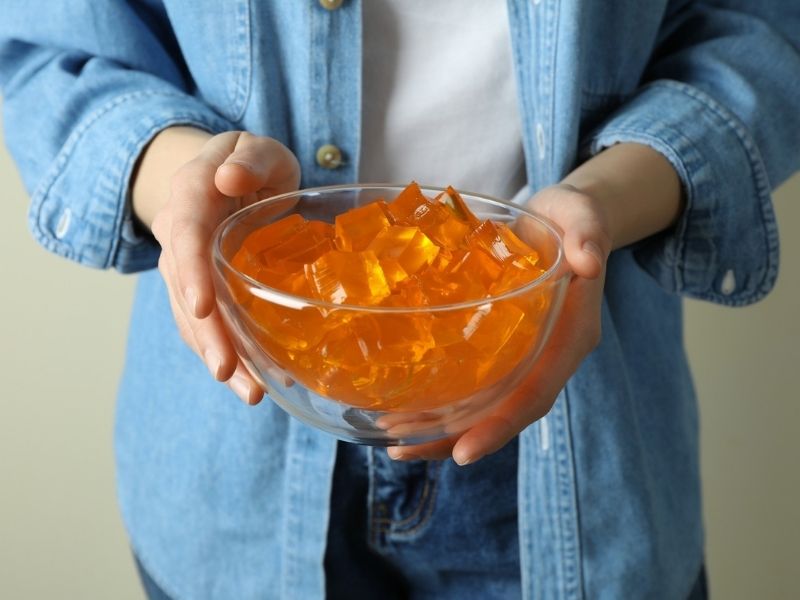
(540, 140)
(62, 227)
(330, 4)
(728, 283)
(329, 157)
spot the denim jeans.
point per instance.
(422, 529)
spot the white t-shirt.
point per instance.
(439, 96)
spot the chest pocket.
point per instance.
(215, 40)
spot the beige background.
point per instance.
(62, 332)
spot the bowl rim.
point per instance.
(294, 301)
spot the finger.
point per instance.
(196, 207)
(214, 345)
(178, 312)
(438, 450)
(586, 241)
(258, 164)
(244, 386)
(206, 337)
(576, 333)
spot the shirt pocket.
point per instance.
(215, 40)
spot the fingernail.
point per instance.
(463, 461)
(241, 387)
(399, 454)
(191, 299)
(213, 362)
(394, 453)
(594, 250)
(240, 163)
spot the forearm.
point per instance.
(637, 189)
(166, 153)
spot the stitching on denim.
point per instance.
(567, 500)
(752, 154)
(417, 509)
(758, 170)
(135, 143)
(426, 506)
(523, 84)
(244, 85)
(679, 164)
(42, 192)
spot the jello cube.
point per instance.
(347, 278)
(273, 234)
(517, 246)
(356, 228)
(297, 247)
(478, 264)
(445, 287)
(487, 236)
(407, 203)
(453, 200)
(412, 208)
(491, 326)
(412, 248)
(393, 271)
(407, 294)
(450, 233)
(515, 274)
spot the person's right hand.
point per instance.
(232, 170)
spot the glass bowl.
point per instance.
(386, 375)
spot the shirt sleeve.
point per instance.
(720, 103)
(86, 85)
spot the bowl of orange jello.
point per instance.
(388, 314)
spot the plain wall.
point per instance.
(62, 329)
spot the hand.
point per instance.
(587, 245)
(231, 171)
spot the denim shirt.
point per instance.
(227, 501)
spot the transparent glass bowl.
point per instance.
(434, 371)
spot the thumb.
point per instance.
(258, 165)
(585, 248)
(587, 242)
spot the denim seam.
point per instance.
(667, 149)
(42, 194)
(568, 523)
(523, 85)
(425, 504)
(244, 82)
(628, 128)
(428, 512)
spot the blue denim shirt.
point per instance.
(228, 501)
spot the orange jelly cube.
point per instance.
(412, 208)
(347, 278)
(356, 228)
(393, 271)
(412, 248)
(491, 326)
(273, 234)
(453, 200)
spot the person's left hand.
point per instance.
(587, 244)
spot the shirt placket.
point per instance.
(328, 155)
(546, 59)
(334, 117)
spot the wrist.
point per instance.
(636, 191)
(162, 157)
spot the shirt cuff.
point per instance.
(82, 209)
(724, 248)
